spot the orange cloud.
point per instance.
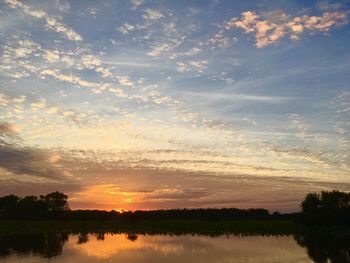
(271, 27)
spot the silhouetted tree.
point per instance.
(8, 206)
(83, 238)
(31, 207)
(100, 236)
(326, 208)
(311, 203)
(132, 236)
(57, 201)
(326, 248)
(55, 206)
(335, 200)
(45, 245)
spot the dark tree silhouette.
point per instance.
(132, 236)
(326, 248)
(8, 205)
(311, 203)
(83, 238)
(326, 208)
(31, 207)
(335, 200)
(100, 236)
(57, 201)
(46, 245)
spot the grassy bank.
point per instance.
(265, 227)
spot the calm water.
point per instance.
(134, 248)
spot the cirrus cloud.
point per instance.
(51, 22)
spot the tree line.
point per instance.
(47, 206)
(325, 208)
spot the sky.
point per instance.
(169, 104)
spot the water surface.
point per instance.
(125, 248)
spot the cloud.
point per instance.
(118, 92)
(51, 23)
(341, 105)
(199, 65)
(61, 28)
(8, 128)
(159, 48)
(3, 100)
(142, 188)
(125, 81)
(177, 194)
(19, 99)
(167, 39)
(26, 48)
(269, 28)
(125, 28)
(193, 10)
(137, 3)
(52, 56)
(193, 51)
(62, 5)
(243, 97)
(181, 67)
(23, 188)
(299, 125)
(38, 104)
(220, 40)
(52, 110)
(326, 6)
(137, 182)
(19, 159)
(16, 102)
(90, 61)
(69, 78)
(151, 14)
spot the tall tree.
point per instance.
(326, 208)
(57, 201)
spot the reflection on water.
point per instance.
(131, 247)
(326, 249)
(48, 245)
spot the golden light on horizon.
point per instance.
(109, 195)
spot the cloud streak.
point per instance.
(51, 22)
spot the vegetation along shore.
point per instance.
(325, 212)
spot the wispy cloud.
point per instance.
(240, 97)
(151, 14)
(125, 28)
(51, 22)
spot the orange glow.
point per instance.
(106, 197)
(114, 244)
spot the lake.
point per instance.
(125, 248)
